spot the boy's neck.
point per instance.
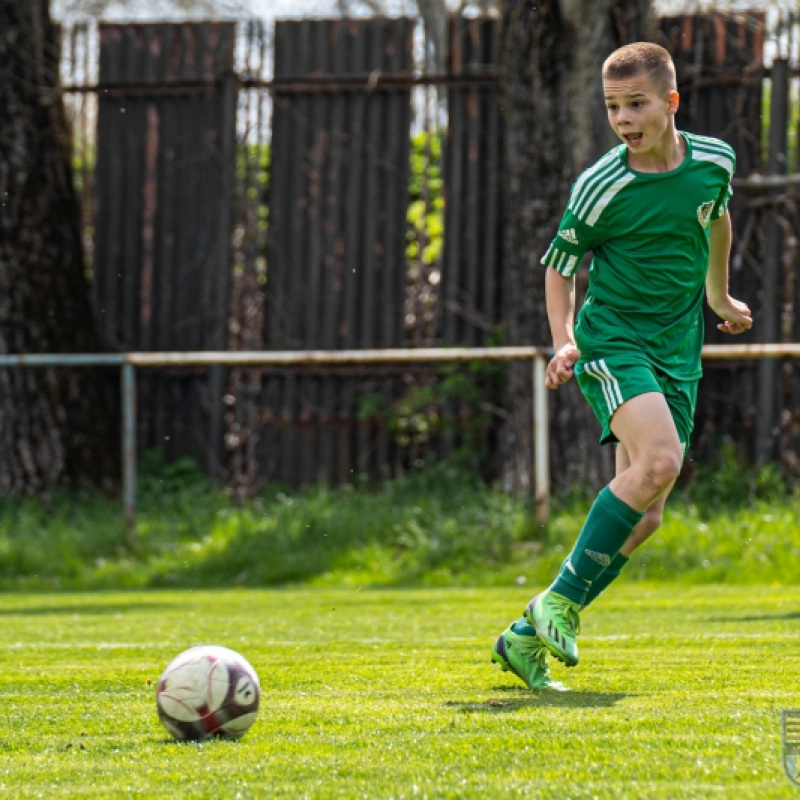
(667, 156)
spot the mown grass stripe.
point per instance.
(372, 694)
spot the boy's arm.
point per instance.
(560, 299)
(736, 314)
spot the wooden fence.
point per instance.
(164, 214)
(338, 194)
(256, 194)
(727, 92)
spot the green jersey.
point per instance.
(649, 238)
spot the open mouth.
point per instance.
(633, 139)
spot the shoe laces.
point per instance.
(533, 650)
(566, 614)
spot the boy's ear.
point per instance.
(674, 100)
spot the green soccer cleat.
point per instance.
(523, 653)
(556, 620)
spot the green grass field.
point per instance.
(390, 694)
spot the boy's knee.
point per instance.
(662, 470)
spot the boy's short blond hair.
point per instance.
(642, 58)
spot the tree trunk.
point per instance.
(555, 126)
(56, 425)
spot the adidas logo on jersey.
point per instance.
(568, 235)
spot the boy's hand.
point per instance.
(737, 315)
(559, 370)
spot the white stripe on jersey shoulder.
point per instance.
(705, 148)
(610, 193)
(708, 141)
(599, 185)
(609, 161)
(715, 158)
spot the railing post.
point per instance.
(541, 440)
(128, 386)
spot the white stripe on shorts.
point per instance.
(600, 371)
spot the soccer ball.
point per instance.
(208, 691)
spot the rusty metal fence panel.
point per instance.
(719, 62)
(164, 214)
(472, 267)
(316, 127)
(727, 90)
(339, 184)
(335, 245)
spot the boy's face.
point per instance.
(639, 112)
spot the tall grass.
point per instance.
(437, 527)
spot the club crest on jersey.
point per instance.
(704, 212)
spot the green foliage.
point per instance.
(792, 125)
(459, 405)
(437, 526)
(425, 235)
(390, 694)
(730, 481)
(752, 545)
(84, 156)
(157, 477)
(253, 163)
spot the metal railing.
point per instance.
(129, 362)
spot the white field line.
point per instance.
(701, 635)
(419, 644)
(81, 645)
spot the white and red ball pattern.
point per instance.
(208, 691)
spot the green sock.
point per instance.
(607, 527)
(607, 576)
(522, 627)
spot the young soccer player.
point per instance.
(653, 212)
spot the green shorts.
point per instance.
(608, 382)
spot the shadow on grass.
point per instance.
(514, 699)
(790, 615)
(84, 608)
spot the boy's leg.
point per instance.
(646, 527)
(645, 427)
(681, 397)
